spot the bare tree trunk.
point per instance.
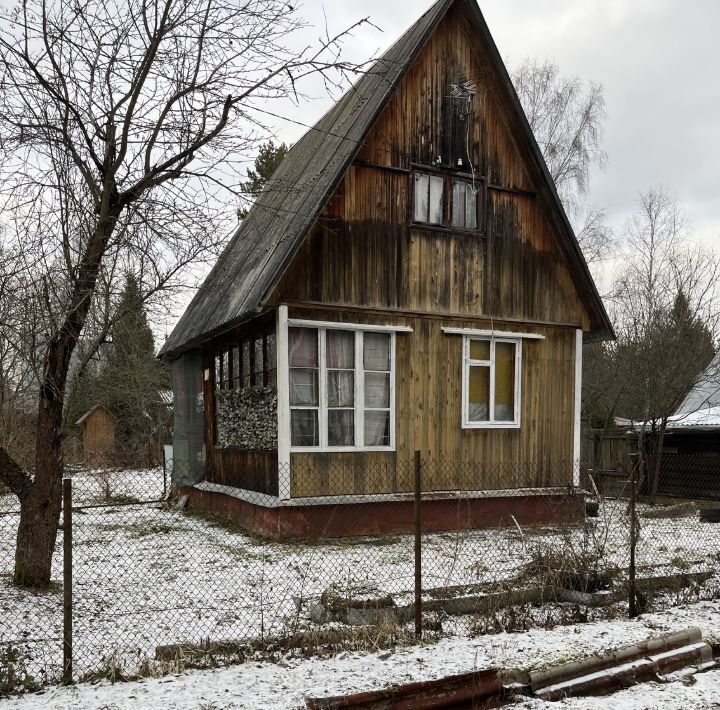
(41, 501)
(657, 460)
(40, 504)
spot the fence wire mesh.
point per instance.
(168, 576)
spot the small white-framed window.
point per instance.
(342, 384)
(492, 371)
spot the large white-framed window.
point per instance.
(341, 388)
(491, 377)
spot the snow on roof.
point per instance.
(706, 393)
(90, 411)
(707, 418)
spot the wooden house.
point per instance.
(97, 428)
(408, 281)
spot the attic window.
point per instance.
(446, 200)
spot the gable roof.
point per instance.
(90, 411)
(277, 223)
(704, 396)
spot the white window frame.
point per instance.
(467, 362)
(359, 386)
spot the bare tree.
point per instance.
(567, 118)
(120, 125)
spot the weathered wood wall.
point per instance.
(98, 434)
(362, 250)
(428, 417)
(365, 262)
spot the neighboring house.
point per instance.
(407, 281)
(690, 463)
(97, 427)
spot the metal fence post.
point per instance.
(418, 546)
(67, 581)
(632, 590)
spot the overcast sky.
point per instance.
(656, 59)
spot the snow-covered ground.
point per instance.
(147, 574)
(265, 685)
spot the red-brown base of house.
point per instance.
(347, 519)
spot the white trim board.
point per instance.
(282, 375)
(302, 323)
(491, 333)
(578, 405)
(267, 501)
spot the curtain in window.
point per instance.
(377, 428)
(504, 382)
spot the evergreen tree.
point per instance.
(128, 382)
(266, 163)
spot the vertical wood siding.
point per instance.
(364, 253)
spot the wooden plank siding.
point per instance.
(428, 410)
(363, 261)
(362, 250)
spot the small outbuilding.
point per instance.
(98, 432)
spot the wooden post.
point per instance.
(632, 583)
(67, 581)
(418, 546)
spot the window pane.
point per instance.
(479, 349)
(218, 371)
(478, 393)
(340, 349)
(270, 378)
(246, 363)
(376, 351)
(458, 204)
(304, 427)
(436, 200)
(504, 382)
(470, 207)
(259, 362)
(377, 428)
(236, 367)
(341, 427)
(341, 385)
(270, 355)
(303, 387)
(377, 389)
(421, 197)
(303, 347)
(226, 369)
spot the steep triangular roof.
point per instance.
(276, 225)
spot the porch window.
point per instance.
(491, 382)
(446, 200)
(341, 384)
(249, 362)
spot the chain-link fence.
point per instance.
(167, 576)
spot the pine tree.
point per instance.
(128, 382)
(266, 163)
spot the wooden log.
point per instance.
(561, 675)
(475, 689)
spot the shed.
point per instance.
(98, 432)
